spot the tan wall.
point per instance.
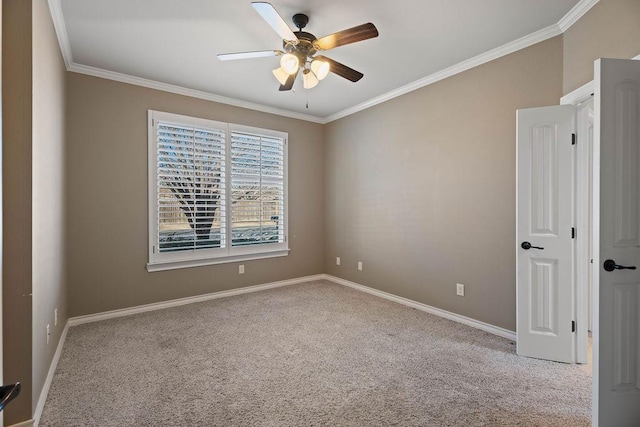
(16, 187)
(107, 213)
(49, 249)
(611, 29)
(422, 187)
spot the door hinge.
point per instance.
(573, 326)
(573, 139)
(573, 232)
(154, 249)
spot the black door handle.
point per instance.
(526, 246)
(610, 265)
(8, 393)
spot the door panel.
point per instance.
(544, 180)
(544, 219)
(626, 165)
(617, 198)
(625, 337)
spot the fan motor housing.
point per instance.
(304, 47)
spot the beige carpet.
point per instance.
(310, 354)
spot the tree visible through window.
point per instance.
(191, 187)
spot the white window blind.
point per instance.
(191, 187)
(257, 189)
(217, 192)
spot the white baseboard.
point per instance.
(28, 423)
(47, 383)
(505, 333)
(79, 320)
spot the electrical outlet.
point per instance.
(359, 265)
(337, 260)
(55, 317)
(241, 269)
(48, 333)
(460, 289)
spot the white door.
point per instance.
(616, 315)
(545, 275)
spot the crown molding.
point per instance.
(483, 58)
(546, 33)
(180, 90)
(55, 8)
(576, 13)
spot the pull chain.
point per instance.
(307, 93)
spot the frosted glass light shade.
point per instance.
(281, 75)
(289, 63)
(320, 68)
(309, 80)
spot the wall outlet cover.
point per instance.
(460, 289)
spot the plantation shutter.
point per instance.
(190, 187)
(257, 189)
(217, 192)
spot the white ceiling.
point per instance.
(176, 43)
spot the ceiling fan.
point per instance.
(300, 49)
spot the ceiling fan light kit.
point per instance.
(289, 63)
(309, 79)
(281, 75)
(320, 68)
(300, 48)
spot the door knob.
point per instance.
(526, 246)
(610, 265)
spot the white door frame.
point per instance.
(584, 155)
(1, 217)
(584, 231)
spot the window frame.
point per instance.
(200, 257)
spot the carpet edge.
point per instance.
(44, 393)
(492, 329)
(90, 318)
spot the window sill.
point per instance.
(212, 261)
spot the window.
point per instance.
(217, 192)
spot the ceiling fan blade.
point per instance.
(249, 55)
(352, 35)
(341, 69)
(272, 17)
(289, 83)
